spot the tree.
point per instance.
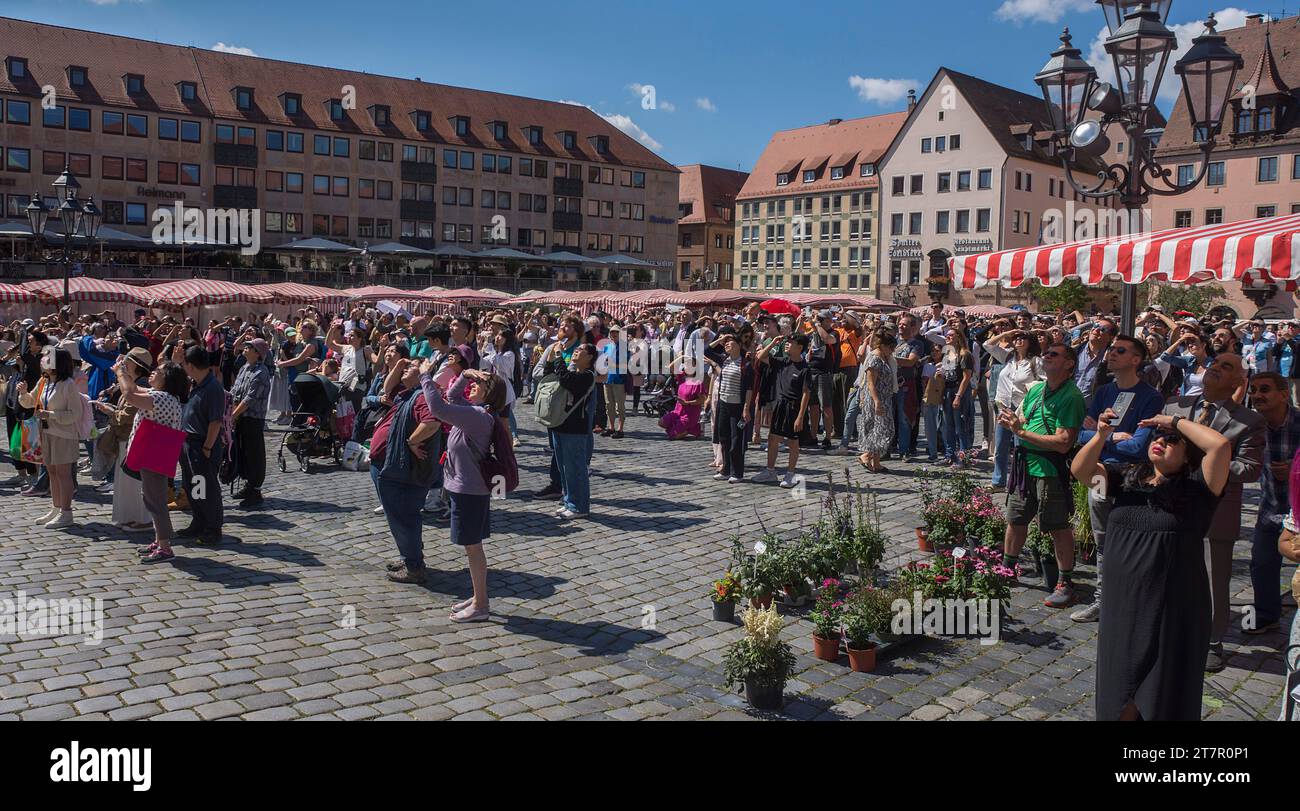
(1198, 299)
(1068, 296)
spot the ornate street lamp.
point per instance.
(75, 218)
(37, 214)
(1139, 46)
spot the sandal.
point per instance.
(462, 605)
(470, 615)
(158, 556)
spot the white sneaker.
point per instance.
(735, 480)
(106, 487)
(378, 510)
(64, 519)
(765, 475)
(49, 516)
(717, 477)
(569, 514)
(515, 442)
(788, 481)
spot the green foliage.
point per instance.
(1066, 297)
(868, 612)
(765, 666)
(759, 574)
(1197, 299)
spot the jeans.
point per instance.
(196, 467)
(731, 432)
(402, 504)
(1266, 570)
(933, 419)
(514, 424)
(902, 425)
(954, 432)
(1002, 442)
(571, 456)
(851, 411)
(968, 420)
(557, 483)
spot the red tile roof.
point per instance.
(705, 188)
(867, 137)
(49, 50)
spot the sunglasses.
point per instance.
(1170, 437)
(1053, 354)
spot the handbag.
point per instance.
(156, 448)
(31, 441)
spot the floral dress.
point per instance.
(876, 431)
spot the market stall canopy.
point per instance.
(988, 311)
(16, 294)
(315, 245)
(568, 258)
(1221, 253)
(203, 292)
(717, 298)
(447, 251)
(294, 293)
(375, 292)
(506, 253)
(398, 249)
(468, 295)
(83, 288)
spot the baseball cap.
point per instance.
(262, 347)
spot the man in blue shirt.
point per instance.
(1092, 357)
(1137, 401)
(1269, 396)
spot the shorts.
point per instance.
(1049, 499)
(471, 518)
(823, 388)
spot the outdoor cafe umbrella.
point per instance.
(86, 289)
(779, 306)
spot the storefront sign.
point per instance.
(662, 220)
(905, 249)
(965, 247)
(167, 194)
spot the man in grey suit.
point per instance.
(1247, 432)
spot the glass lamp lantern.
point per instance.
(92, 218)
(1140, 50)
(1066, 81)
(37, 214)
(1117, 11)
(1209, 74)
(66, 185)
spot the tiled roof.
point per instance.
(1269, 75)
(1007, 113)
(705, 187)
(867, 137)
(49, 50)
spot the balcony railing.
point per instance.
(416, 172)
(234, 155)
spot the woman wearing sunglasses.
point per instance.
(1189, 354)
(1155, 622)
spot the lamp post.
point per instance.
(1139, 46)
(75, 219)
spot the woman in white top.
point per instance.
(503, 359)
(355, 363)
(1022, 367)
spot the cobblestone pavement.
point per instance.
(600, 618)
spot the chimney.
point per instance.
(1254, 19)
(911, 100)
(833, 122)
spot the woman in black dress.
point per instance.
(1155, 620)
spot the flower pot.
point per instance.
(826, 648)
(763, 603)
(724, 612)
(1049, 570)
(792, 597)
(762, 697)
(862, 661)
(923, 539)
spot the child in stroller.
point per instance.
(312, 430)
(661, 400)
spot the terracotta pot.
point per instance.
(724, 612)
(923, 539)
(862, 661)
(764, 602)
(828, 650)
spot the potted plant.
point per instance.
(867, 613)
(758, 570)
(760, 660)
(725, 594)
(826, 620)
(1043, 551)
(897, 590)
(791, 565)
(1085, 543)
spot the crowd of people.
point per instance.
(1164, 427)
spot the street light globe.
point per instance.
(1209, 74)
(1066, 81)
(1117, 10)
(1140, 51)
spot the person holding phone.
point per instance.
(1018, 351)
(1131, 401)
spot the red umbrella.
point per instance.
(779, 306)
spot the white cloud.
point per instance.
(233, 49)
(881, 91)
(623, 123)
(704, 104)
(1170, 86)
(1040, 11)
(643, 91)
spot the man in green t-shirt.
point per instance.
(1046, 428)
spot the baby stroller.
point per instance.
(312, 432)
(660, 401)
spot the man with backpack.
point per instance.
(571, 330)
(571, 430)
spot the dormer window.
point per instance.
(292, 103)
(499, 129)
(534, 135)
(336, 109)
(460, 124)
(189, 91)
(17, 68)
(134, 84)
(783, 179)
(837, 173)
(1264, 119)
(379, 113)
(868, 170)
(1244, 122)
(243, 98)
(569, 139)
(76, 77)
(809, 175)
(601, 143)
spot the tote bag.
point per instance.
(155, 447)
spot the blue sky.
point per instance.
(725, 74)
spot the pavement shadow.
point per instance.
(297, 506)
(230, 575)
(592, 638)
(501, 583)
(630, 523)
(656, 506)
(277, 551)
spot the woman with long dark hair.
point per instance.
(1155, 621)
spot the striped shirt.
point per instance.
(729, 381)
(1283, 442)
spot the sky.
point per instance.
(704, 81)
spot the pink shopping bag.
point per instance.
(155, 447)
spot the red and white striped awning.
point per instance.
(1221, 253)
(295, 293)
(378, 292)
(83, 288)
(203, 292)
(16, 294)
